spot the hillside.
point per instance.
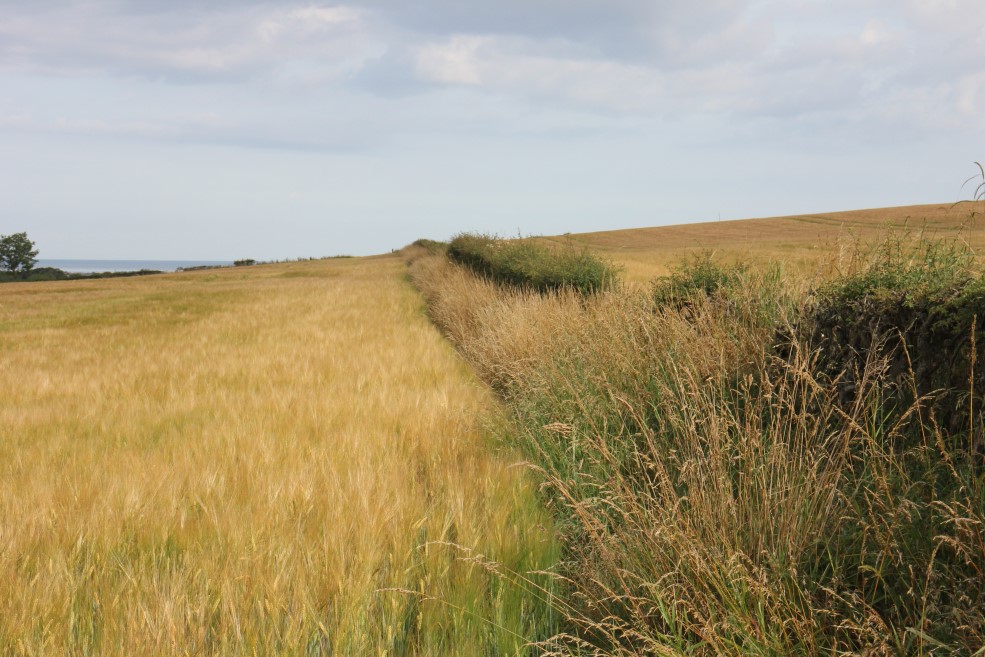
(806, 242)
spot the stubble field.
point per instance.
(808, 245)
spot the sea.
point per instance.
(89, 266)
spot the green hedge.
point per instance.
(909, 309)
(433, 247)
(44, 274)
(526, 264)
(699, 275)
(913, 310)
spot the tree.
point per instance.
(17, 254)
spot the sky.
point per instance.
(229, 129)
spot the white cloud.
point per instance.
(736, 59)
(305, 21)
(970, 95)
(247, 40)
(778, 60)
(324, 16)
(452, 62)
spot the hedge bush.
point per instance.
(920, 311)
(433, 247)
(529, 265)
(699, 275)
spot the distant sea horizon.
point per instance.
(84, 266)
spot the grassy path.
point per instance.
(238, 461)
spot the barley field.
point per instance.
(283, 459)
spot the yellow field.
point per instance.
(240, 461)
(806, 243)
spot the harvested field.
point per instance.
(808, 243)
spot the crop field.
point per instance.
(808, 244)
(249, 461)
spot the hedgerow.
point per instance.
(530, 265)
(720, 490)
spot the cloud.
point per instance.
(244, 116)
(237, 42)
(612, 26)
(456, 61)
(505, 64)
(776, 61)
(386, 117)
(852, 61)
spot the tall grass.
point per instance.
(261, 461)
(718, 493)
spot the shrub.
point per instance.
(44, 274)
(699, 275)
(529, 265)
(755, 297)
(36, 274)
(433, 247)
(47, 274)
(921, 310)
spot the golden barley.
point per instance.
(241, 461)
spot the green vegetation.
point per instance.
(750, 296)
(433, 247)
(527, 264)
(54, 274)
(18, 257)
(200, 267)
(719, 487)
(698, 275)
(915, 308)
(17, 254)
